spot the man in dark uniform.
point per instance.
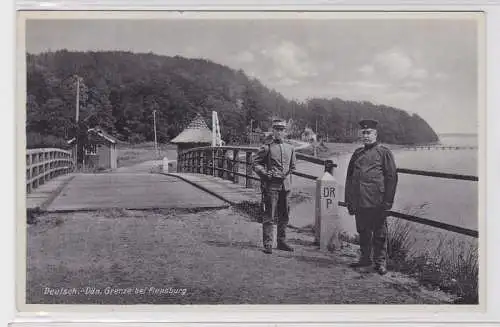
(370, 189)
(274, 163)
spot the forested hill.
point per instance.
(120, 90)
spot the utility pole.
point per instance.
(156, 143)
(77, 97)
(77, 140)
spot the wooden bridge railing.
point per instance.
(441, 147)
(225, 162)
(216, 161)
(45, 164)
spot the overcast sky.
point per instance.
(424, 66)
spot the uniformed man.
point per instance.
(370, 189)
(274, 163)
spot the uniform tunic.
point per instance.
(370, 189)
(371, 178)
(279, 158)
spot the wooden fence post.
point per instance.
(184, 162)
(196, 161)
(199, 170)
(214, 154)
(229, 166)
(179, 160)
(236, 166)
(193, 161)
(327, 228)
(204, 162)
(208, 162)
(220, 165)
(225, 165)
(248, 169)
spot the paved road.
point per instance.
(131, 188)
(143, 167)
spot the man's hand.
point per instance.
(275, 175)
(351, 210)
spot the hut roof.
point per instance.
(196, 132)
(99, 132)
(103, 134)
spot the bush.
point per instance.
(453, 265)
(137, 138)
(399, 240)
(37, 140)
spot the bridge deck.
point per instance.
(130, 191)
(44, 194)
(223, 189)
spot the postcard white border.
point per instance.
(292, 313)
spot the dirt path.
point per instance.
(209, 257)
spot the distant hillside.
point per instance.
(120, 90)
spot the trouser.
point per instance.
(371, 225)
(276, 205)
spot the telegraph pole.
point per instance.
(156, 142)
(77, 140)
(77, 97)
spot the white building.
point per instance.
(308, 135)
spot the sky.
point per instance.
(423, 66)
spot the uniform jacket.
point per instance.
(278, 157)
(371, 178)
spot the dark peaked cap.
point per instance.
(368, 123)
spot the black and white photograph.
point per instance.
(251, 158)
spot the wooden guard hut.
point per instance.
(100, 151)
(196, 134)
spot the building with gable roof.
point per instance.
(100, 151)
(196, 134)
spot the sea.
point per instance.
(451, 201)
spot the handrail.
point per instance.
(428, 222)
(206, 160)
(44, 164)
(43, 150)
(437, 174)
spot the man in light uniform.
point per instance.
(274, 163)
(370, 189)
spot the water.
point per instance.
(457, 139)
(451, 201)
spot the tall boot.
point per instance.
(380, 247)
(365, 246)
(267, 237)
(282, 245)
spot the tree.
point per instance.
(118, 90)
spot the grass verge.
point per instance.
(451, 265)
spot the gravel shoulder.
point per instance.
(208, 257)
